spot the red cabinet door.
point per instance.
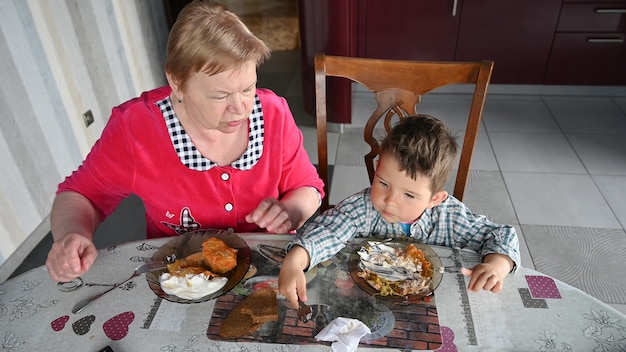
(517, 35)
(327, 26)
(588, 59)
(590, 45)
(407, 29)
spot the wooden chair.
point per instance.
(399, 86)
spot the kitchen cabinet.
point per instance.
(423, 30)
(531, 41)
(327, 26)
(516, 35)
(589, 46)
(561, 42)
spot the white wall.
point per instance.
(58, 59)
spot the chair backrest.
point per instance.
(399, 86)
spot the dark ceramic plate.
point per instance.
(431, 256)
(187, 244)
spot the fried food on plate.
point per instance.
(218, 256)
(195, 260)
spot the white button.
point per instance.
(228, 207)
(225, 176)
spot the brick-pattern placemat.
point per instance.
(399, 325)
(416, 326)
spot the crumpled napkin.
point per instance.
(345, 332)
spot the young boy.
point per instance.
(406, 198)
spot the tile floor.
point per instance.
(552, 163)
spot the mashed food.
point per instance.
(191, 286)
(188, 277)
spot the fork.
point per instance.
(304, 311)
(141, 269)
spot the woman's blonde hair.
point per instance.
(422, 145)
(207, 37)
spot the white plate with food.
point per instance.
(208, 264)
(398, 270)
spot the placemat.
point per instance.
(400, 325)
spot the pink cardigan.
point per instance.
(135, 155)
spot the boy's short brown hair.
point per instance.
(423, 145)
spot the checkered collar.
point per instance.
(191, 157)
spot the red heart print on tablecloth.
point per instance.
(58, 324)
(82, 325)
(116, 328)
(447, 339)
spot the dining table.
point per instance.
(534, 312)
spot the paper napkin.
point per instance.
(345, 332)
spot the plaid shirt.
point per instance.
(449, 224)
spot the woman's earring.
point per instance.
(180, 100)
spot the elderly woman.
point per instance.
(208, 151)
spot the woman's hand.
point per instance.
(272, 215)
(73, 220)
(288, 213)
(70, 257)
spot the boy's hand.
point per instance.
(490, 274)
(483, 277)
(291, 280)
